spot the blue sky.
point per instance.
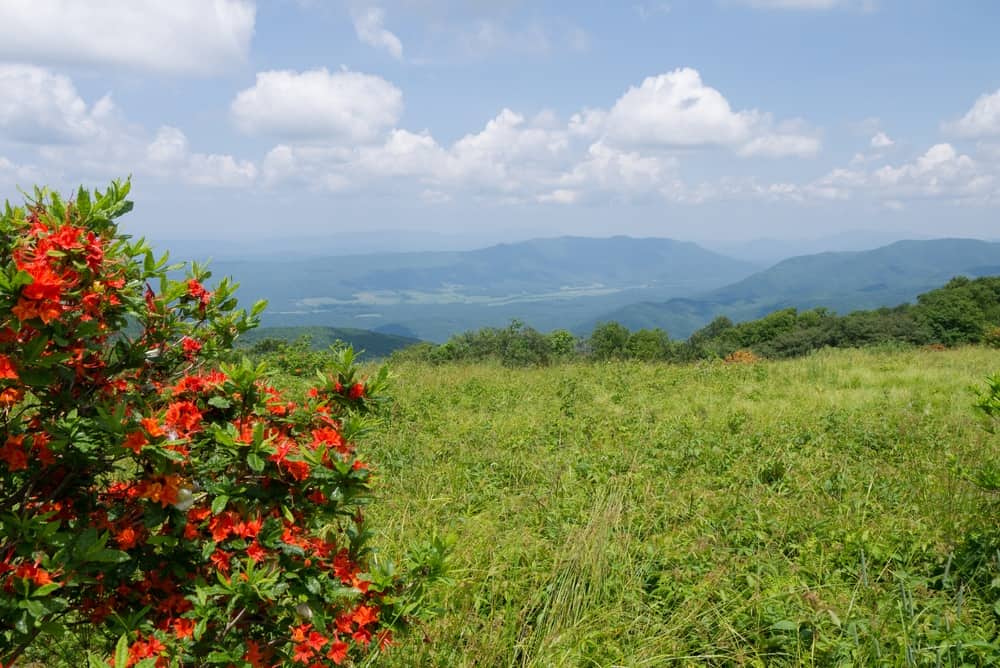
(487, 121)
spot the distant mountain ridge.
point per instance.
(548, 283)
(841, 281)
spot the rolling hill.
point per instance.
(548, 283)
(844, 281)
(366, 342)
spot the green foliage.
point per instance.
(965, 311)
(369, 344)
(816, 511)
(609, 340)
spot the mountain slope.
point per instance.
(843, 282)
(368, 343)
(548, 283)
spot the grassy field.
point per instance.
(809, 512)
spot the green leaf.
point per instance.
(121, 652)
(785, 625)
(255, 462)
(219, 504)
(220, 402)
(45, 590)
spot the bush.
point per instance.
(169, 508)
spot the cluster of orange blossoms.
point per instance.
(219, 516)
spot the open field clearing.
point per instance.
(816, 511)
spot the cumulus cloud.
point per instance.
(41, 107)
(370, 29)
(318, 105)
(777, 145)
(633, 149)
(180, 36)
(982, 120)
(677, 110)
(881, 140)
(941, 172)
(168, 155)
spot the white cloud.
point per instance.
(609, 169)
(179, 36)
(775, 145)
(14, 174)
(559, 196)
(939, 173)
(677, 110)
(982, 120)
(219, 171)
(628, 150)
(370, 29)
(343, 106)
(881, 140)
(169, 156)
(40, 107)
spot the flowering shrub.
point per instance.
(992, 337)
(741, 357)
(184, 513)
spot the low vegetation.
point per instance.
(838, 509)
(963, 311)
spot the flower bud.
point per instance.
(304, 611)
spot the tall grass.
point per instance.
(808, 512)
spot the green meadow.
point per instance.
(827, 510)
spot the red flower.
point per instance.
(27, 309)
(255, 656)
(152, 427)
(183, 628)
(357, 391)
(135, 441)
(303, 653)
(13, 453)
(197, 291)
(183, 417)
(127, 538)
(365, 615)
(190, 346)
(256, 552)
(7, 368)
(337, 652)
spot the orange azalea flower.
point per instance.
(135, 441)
(10, 396)
(257, 657)
(127, 538)
(13, 453)
(365, 615)
(163, 491)
(337, 652)
(27, 309)
(152, 427)
(183, 628)
(7, 368)
(183, 416)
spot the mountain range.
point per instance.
(843, 282)
(548, 283)
(576, 282)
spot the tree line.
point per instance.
(964, 311)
